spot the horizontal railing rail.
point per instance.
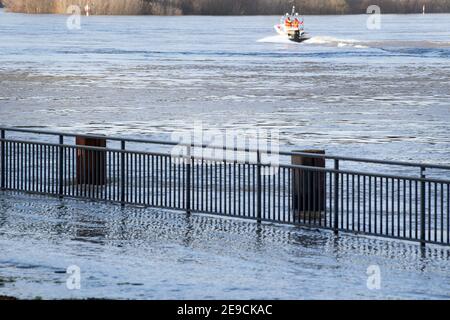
(406, 207)
(239, 149)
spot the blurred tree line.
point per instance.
(227, 7)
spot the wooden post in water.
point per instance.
(91, 164)
(308, 185)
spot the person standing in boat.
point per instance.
(296, 23)
(288, 22)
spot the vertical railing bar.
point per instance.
(48, 166)
(422, 206)
(429, 211)
(162, 181)
(167, 184)
(442, 212)
(330, 201)
(74, 155)
(153, 179)
(314, 196)
(301, 200)
(26, 167)
(135, 178)
(435, 210)
(188, 180)
(206, 185)
(22, 167)
(215, 186)
(18, 165)
(13, 165)
(265, 194)
(392, 206)
(258, 186)
(353, 202)
(323, 202)
(61, 165)
(375, 189)
(241, 193)
(336, 196)
(364, 204)
(289, 186)
(341, 218)
(370, 205)
(230, 190)
(387, 205)
(358, 220)
(284, 195)
(416, 211)
(448, 213)
(381, 205)
(122, 172)
(278, 172)
(347, 199)
(97, 173)
(404, 208)
(310, 197)
(252, 174)
(410, 209)
(18, 175)
(178, 166)
(73, 173)
(398, 209)
(3, 159)
(67, 171)
(17, 158)
(53, 169)
(87, 176)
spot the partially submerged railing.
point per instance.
(395, 205)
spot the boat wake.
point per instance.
(319, 40)
(423, 47)
(336, 42)
(276, 39)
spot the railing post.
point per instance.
(336, 196)
(422, 207)
(188, 181)
(3, 160)
(258, 187)
(61, 166)
(122, 173)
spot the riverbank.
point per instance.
(225, 7)
(3, 298)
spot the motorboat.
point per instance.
(292, 26)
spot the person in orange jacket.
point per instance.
(296, 23)
(288, 22)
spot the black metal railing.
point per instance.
(401, 203)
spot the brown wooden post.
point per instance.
(91, 164)
(308, 186)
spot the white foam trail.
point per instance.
(276, 39)
(331, 41)
(319, 40)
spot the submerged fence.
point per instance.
(406, 204)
